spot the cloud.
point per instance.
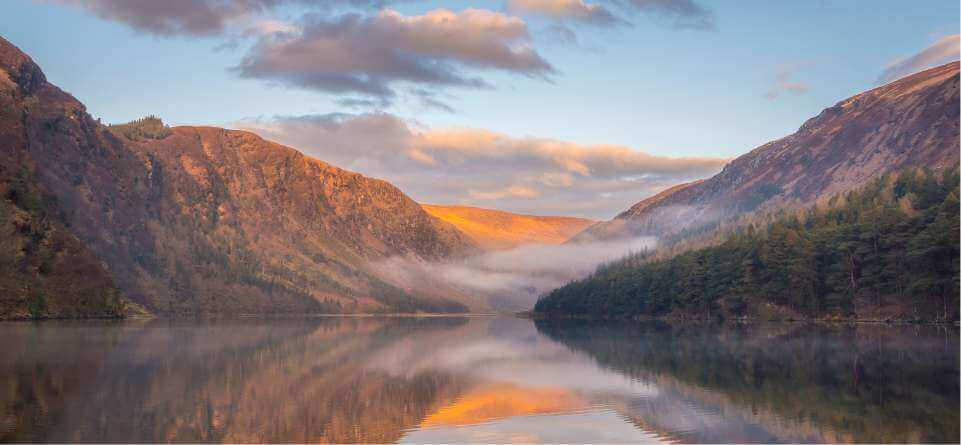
(681, 14)
(943, 51)
(514, 191)
(481, 167)
(174, 17)
(199, 18)
(370, 55)
(784, 81)
(575, 10)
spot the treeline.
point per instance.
(886, 251)
(149, 127)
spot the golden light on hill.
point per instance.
(497, 230)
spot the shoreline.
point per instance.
(744, 320)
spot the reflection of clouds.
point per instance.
(488, 402)
(507, 351)
(510, 354)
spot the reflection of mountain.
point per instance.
(469, 380)
(274, 382)
(867, 384)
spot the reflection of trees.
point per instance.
(864, 384)
(235, 382)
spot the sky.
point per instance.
(572, 107)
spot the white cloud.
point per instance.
(943, 51)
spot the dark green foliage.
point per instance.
(23, 194)
(150, 127)
(37, 306)
(758, 196)
(889, 250)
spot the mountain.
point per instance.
(911, 122)
(498, 230)
(201, 219)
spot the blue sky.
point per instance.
(648, 86)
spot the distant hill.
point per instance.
(497, 230)
(911, 122)
(191, 219)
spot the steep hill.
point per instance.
(497, 230)
(201, 219)
(912, 122)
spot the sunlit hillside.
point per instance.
(495, 229)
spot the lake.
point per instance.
(475, 379)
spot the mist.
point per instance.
(512, 280)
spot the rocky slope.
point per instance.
(912, 122)
(208, 220)
(498, 230)
(45, 271)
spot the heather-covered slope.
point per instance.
(198, 219)
(497, 230)
(912, 122)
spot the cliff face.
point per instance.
(498, 230)
(199, 219)
(912, 122)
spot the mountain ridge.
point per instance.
(912, 121)
(210, 220)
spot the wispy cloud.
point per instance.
(943, 51)
(574, 10)
(567, 14)
(785, 82)
(196, 18)
(485, 168)
(200, 18)
(680, 14)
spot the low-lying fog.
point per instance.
(513, 279)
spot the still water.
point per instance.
(474, 380)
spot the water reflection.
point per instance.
(473, 380)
